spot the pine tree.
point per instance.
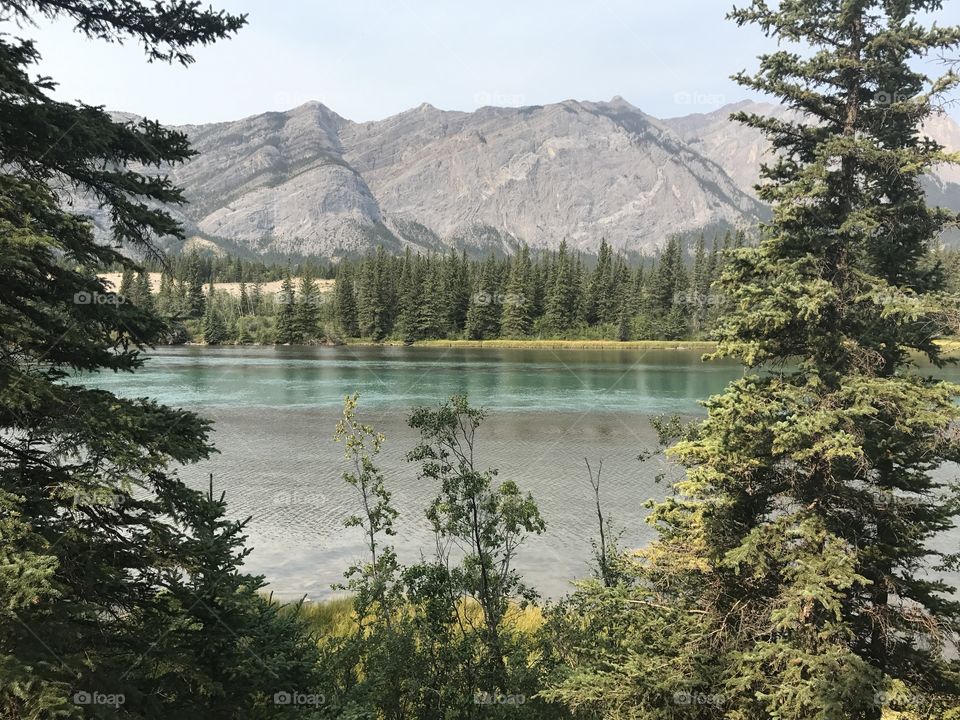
(287, 332)
(458, 287)
(409, 296)
(141, 290)
(517, 318)
(376, 298)
(214, 328)
(307, 309)
(561, 311)
(345, 303)
(483, 317)
(194, 286)
(793, 576)
(256, 297)
(243, 302)
(127, 279)
(432, 312)
(599, 303)
(104, 549)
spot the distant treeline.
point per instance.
(543, 294)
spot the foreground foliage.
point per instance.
(121, 592)
(794, 576)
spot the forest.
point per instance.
(550, 294)
(791, 575)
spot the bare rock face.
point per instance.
(581, 171)
(309, 182)
(739, 150)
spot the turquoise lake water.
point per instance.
(275, 410)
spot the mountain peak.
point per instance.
(619, 101)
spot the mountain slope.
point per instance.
(310, 182)
(739, 150)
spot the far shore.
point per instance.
(533, 344)
(949, 346)
(551, 344)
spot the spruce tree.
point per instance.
(194, 286)
(517, 319)
(345, 302)
(243, 301)
(376, 306)
(127, 279)
(141, 290)
(794, 575)
(432, 314)
(408, 292)
(598, 298)
(287, 332)
(214, 328)
(108, 559)
(562, 301)
(167, 300)
(256, 297)
(458, 286)
(483, 317)
(307, 308)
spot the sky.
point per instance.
(368, 59)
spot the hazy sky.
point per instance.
(368, 59)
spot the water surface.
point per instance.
(275, 410)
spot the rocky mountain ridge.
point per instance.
(308, 182)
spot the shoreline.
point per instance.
(950, 346)
(547, 344)
(703, 345)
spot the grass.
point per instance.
(334, 617)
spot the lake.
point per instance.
(275, 410)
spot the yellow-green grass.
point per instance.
(335, 617)
(330, 619)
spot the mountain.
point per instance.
(739, 150)
(308, 182)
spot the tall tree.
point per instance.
(483, 317)
(517, 320)
(432, 315)
(193, 283)
(562, 301)
(376, 306)
(105, 552)
(214, 329)
(796, 558)
(287, 332)
(599, 301)
(409, 297)
(141, 290)
(307, 308)
(345, 302)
